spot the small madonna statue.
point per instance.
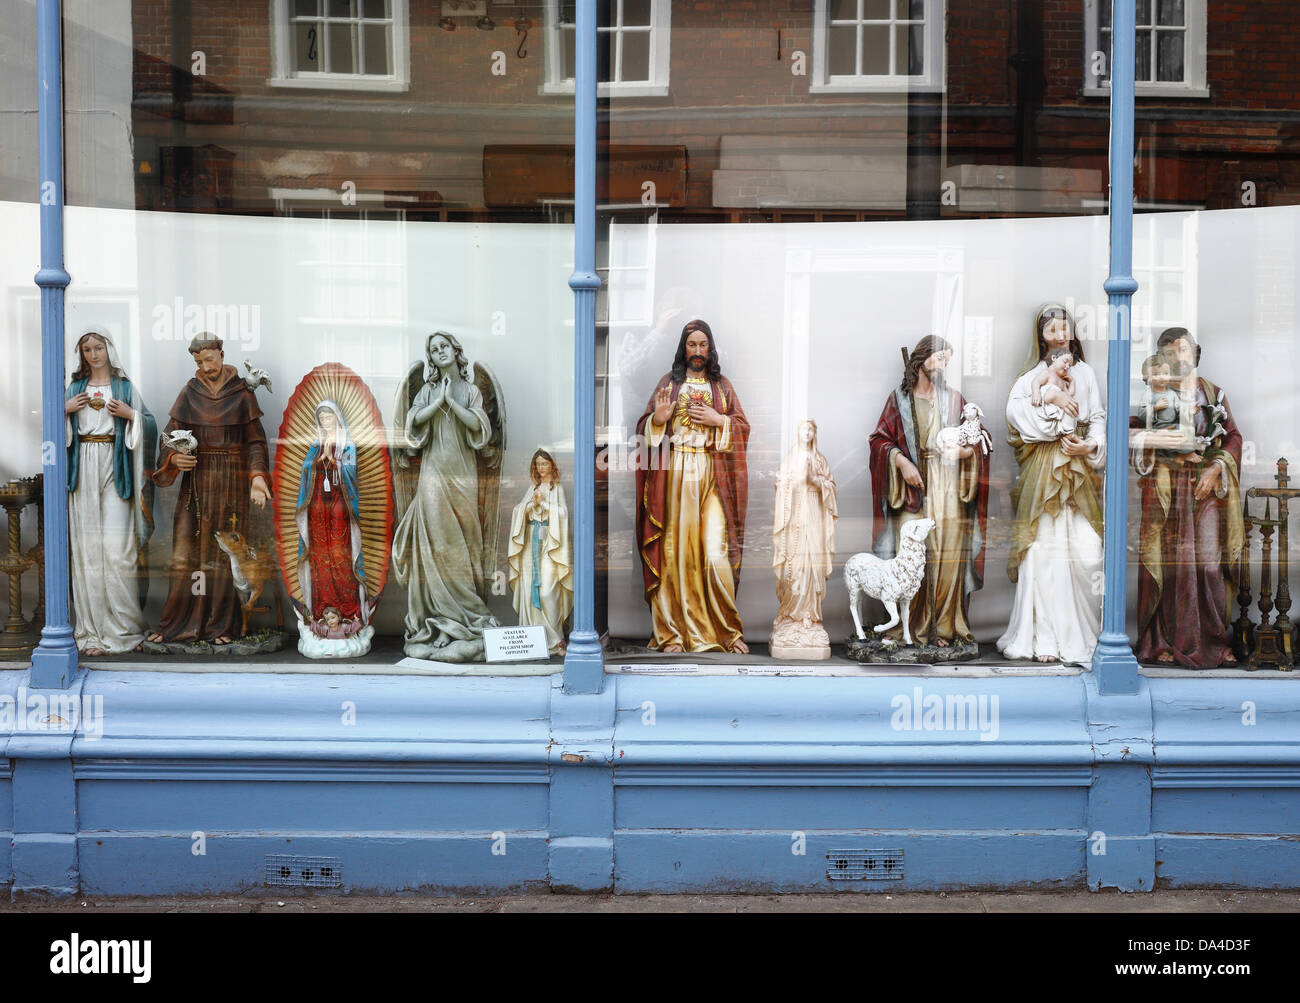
(541, 563)
(803, 545)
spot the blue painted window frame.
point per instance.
(54, 662)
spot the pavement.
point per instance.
(260, 901)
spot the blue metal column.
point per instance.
(584, 668)
(581, 749)
(54, 662)
(44, 791)
(1113, 661)
(1120, 845)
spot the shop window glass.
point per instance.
(323, 350)
(818, 230)
(1214, 350)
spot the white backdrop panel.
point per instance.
(809, 320)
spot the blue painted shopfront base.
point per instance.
(186, 783)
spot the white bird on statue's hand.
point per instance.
(256, 377)
(182, 440)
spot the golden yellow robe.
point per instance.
(949, 489)
(695, 604)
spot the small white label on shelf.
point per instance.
(515, 644)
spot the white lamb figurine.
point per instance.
(893, 582)
(968, 433)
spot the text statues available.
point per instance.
(930, 460)
(1187, 454)
(444, 550)
(111, 440)
(1056, 425)
(214, 440)
(333, 511)
(540, 559)
(691, 496)
(803, 546)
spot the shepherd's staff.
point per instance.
(919, 462)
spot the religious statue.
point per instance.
(229, 468)
(445, 547)
(803, 546)
(333, 511)
(1162, 408)
(540, 561)
(1192, 530)
(930, 460)
(1056, 548)
(112, 439)
(691, 495)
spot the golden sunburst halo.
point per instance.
(337, 383)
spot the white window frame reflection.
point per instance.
(346, 284)
(1154, 267)
(822, 81)
(660, 32)
(283, 73)
(1193, 84)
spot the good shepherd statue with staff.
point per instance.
(691, 495)
(924, 465)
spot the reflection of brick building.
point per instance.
(776, 119)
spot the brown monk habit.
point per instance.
(232, 450)
(730, 475)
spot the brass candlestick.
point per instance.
(19, 635)
(1285, 630)
(1268, 652)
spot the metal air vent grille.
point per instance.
(285, 870)
(864, 865)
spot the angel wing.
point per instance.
(406, 461)
(490, 459)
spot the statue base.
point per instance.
(794, 653)
(312, 646)
(873, 649)
(799, 640)
(453, 651)
(258, 643)
(18, 645)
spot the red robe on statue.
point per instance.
(692, 491)
(329, 523)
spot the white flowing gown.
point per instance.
(105, 545)
(1056, 612)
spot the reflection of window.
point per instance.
(354, 264)
(861, 45)
(1170, 47)
(626, 325)
(1164, 264)
(633, 59)
(352, 44)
